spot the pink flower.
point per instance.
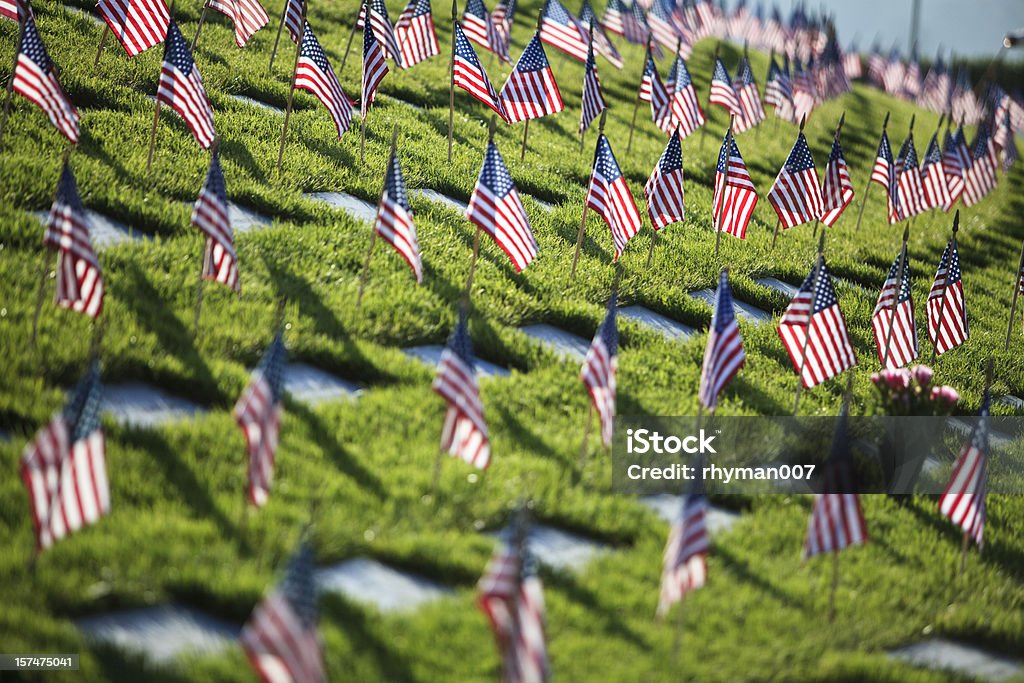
(923, 374)
(897, 379)
(875, 378)
(946, 394)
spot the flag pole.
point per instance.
(590, 51)
(199, 27)
(102, 45)
(650, 251)
(810, 314)
(717, 217)
(867, 190)
(10, 81)
(451, 79)
(200, 286)
(277, 38)
(365, 274)
(291, 90)
(1013, 305)
(351, 37)
(896, 297)
(583, 221)
(945, 286)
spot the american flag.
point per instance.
(615, 17)
(685, 563)
(592, 101)
(293, 18)
(464, 434)
(137, 24)
(181, 87)
(796, 194)
(35, 77)
(636, 28)
(664, 189)
(314, 74)
(896, 306)
(933, 177)
(980, 178)
(778, 89)
(909, 190)
(281, 638)
(247, 15)
(851, 65)
(599, 369)
(512, 597)
(79, 279)
(947, 308)
(65, 467)
(683, 111)
(750, 99)
(561, 30)
(414, 32)
(374, 70)
(735, 195)
(661, 26)
(609, 196)
(258, 412)
(837, 520)
(501, 20)
(471, 77)
(884, 173)
(530, 91)
(804, 93)
(722, 92)
(496, 209)
(963, 501)
(479, 27)
(956, 160)
(876, 65)
(602, 45)
(813, 330)
(651, 88)
(723, 356)
(394, 218)
(837, 190)
(380, 25)
(210, 215)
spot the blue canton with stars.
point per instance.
(422, 8)
(884, 149)
(746, 74)
(463, 50)
(908, 155)
(649, 68)
(979, 437)
(609, 332)
(933, 155)
(176, 50)
(725, 316)
(672, 158)
(720, 73)
(980, 143)
(826, 294)
(272, 366)
(952, 272)
(82, 412)
(604, 161)
(680, 75)
(904, 294)
(476, 8)
(298, 588)
(312, 51)
(394, 184)
(800, 157)
(494, 175)
(554, 11)
(533, 58)
(459, 343)
(215, 180)
(33, 48)
(837, 150)
(67, 191)
(735, 153)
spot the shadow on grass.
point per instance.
(359, 632)
(743, 572)
(606, 619)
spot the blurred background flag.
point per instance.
(963, 500)
(258, 412)
(137, 24)
(394, 218)
(593, 101)
(685, 561)
(464, 434)
(80, 284)
(210, 214)
(414, 32)
(895, 308)
(600, 367)
(723, 355)
(35, 78)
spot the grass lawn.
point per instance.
(179, 530)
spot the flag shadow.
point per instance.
(742, 571)
(359, 632)
(611, 624)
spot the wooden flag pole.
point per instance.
(896, 298)
(291, 91)
(277, 38)
(704, 128)
(10, 81)
(717, 217)
(807, 333)
(775, 233)
(351, 37)
(583, 221)
(451, 79)
(632, 124)
(365, 274)
(102, 45)
(526, 133)
(1017, 284)
(945, 286)
(152, 137)
(650, 251)
(867, 190)
(199, 27)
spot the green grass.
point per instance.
(179, 529)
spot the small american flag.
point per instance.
(530, 91)
(777, 88)
(735, 195)
(562, 31)
(181, 87)
(980, 178)
(247, 15)
(258, 412)
(852, 66)
(963, 501)
(648, 79)
(36, 79)
(661, 26)
(479, 27)
(592, 100)
(210, 215)
(956, 159)
(610, 197)
(79, 278)
(137, 24)
(65, 467)
(723, 356)
(602, 44)
(909, 190)
(614, 17)
(896, 306)
(314, 74)
(394, 218)
(664, 189)
(374, 70)
(722, 92)
(884, 173)
(501, 20)
(796, 194)
(512, 597)
(281, 638)
(464, 434)
(496, 209)
(380, 25)
(837, 520)
(813, 330)
(685, 564)
(750, 99)
(470, 75)
(599, 369)
(837, 190)
(933, 177)
(415, 34)
(293, 18)
(947, 308)
(637, 28)
(683, 111)
(804, 92)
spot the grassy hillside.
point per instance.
(180, 529)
